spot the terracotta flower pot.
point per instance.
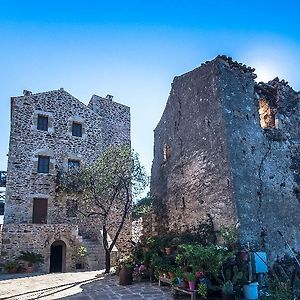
(125, 276)
(244, 255)
(171, 275)
(12, 271)
(185, 284)
(168, 250)
(192, 285)
(29, 269)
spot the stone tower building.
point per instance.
(229, 147)
(52, 132)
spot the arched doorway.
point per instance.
(57, 257)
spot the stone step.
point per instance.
(95, 254)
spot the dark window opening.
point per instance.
(2, 208)
(40, 210)
(73, 166)
(77, 129)
(72, 207)
(42, 123)
(43, 164)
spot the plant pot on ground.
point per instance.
(31, 258)
(11, 267)
(125, 275)
(191, 279)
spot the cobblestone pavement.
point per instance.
(77, 286)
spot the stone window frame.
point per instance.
(73, 168)
(43, 164)
(71, 156)
(76, 129)
(42, 121)
(47, 114)
(80, 120)
(35, 158)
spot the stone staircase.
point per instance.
(95, 254)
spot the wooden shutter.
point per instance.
(40, 209)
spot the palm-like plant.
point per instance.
(31, 257)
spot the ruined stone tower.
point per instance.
(52, 132)
(229, 147)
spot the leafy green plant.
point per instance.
(228, 288)
(81, 251)
(190, 276)
(207, 258)
(178, 272)
(229, 235)
(126, 261)
(202, 290)
(31, 257)
(11, 266)
(142, 207)
(279, 290)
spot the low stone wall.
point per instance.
(39, 238)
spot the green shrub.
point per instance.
(31, 257)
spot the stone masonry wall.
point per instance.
(218, 151)
(38, 238)
(191, 176)
(115, 119)
(262, 159)
(24, 183)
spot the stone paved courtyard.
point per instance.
(77, 286)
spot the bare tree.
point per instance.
(108, 186)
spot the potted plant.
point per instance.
(232, 277)
(191, 279)
(228, 291)
(80, 255)
(159, 265)
(179, 275)
(125, 269)
(11, 267)
(202, 290)
(31, 258)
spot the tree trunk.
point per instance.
(107, 261)
(107, 250)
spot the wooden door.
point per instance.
(40, 209)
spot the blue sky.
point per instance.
(133, 49)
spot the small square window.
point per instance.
(73, 166)
(42, 123)
(77, 129)
(43, 164)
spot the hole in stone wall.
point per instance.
(166, 152)
(267, 115)
(183, 202)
